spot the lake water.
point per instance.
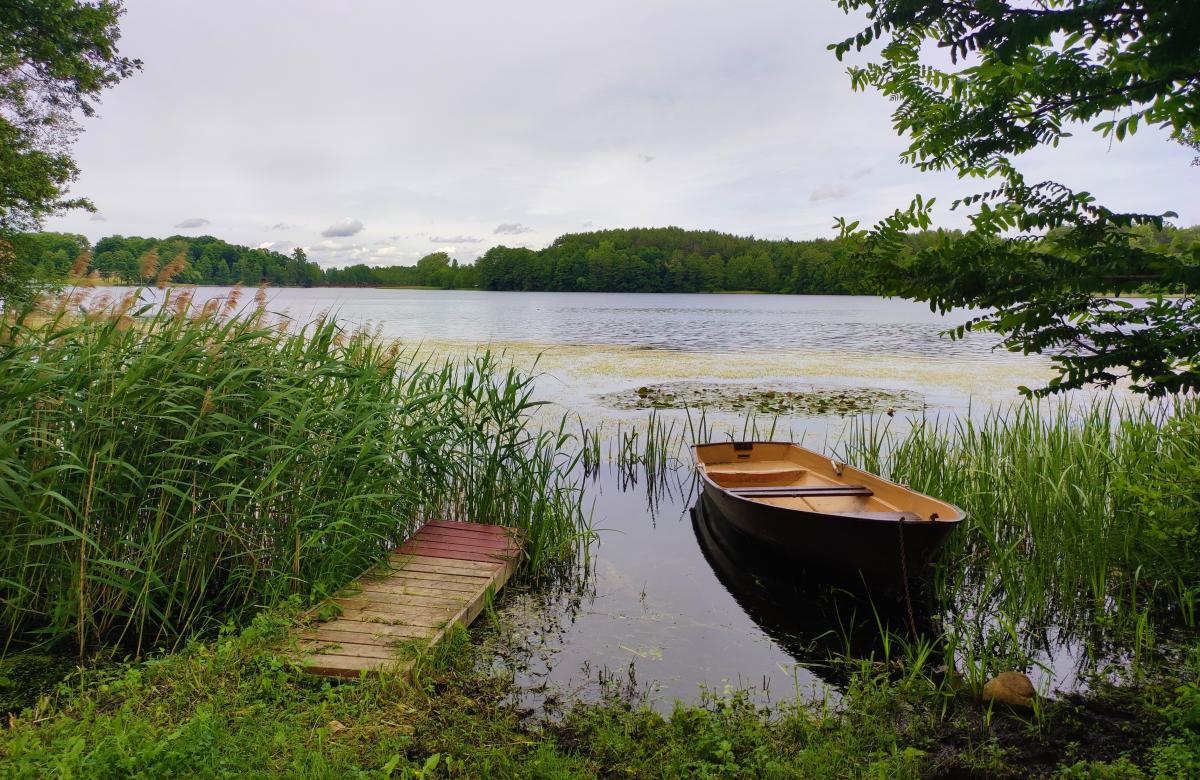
(590, 349)
(661, 604)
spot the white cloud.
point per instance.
(342, 228)
(726, 111)
(455, 240)
(828, 192)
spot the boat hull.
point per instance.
(853, 547)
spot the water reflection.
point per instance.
(808, 616)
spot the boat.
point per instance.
(826, 515)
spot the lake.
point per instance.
(657, 608)
(593, 351)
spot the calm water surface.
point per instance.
(661, 605)
(588, 347)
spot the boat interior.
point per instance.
(789, 476)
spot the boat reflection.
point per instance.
(810, 617)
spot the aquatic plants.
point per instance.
(163, 469)
(1082, 521)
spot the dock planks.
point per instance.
(439, 577)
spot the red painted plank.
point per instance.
(471, 540)
(416, 548)
(496, 531)
(489, 554)
(503, 552)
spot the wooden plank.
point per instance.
(420, 588)
(386, 633)
(372, 600)
(351, 649)
(440, 577)
(472, 528)
(342, 665)
(502, 540)
(408, 579)
(450, 551)
(441, 565)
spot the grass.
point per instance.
(164, 470)
(235, 706)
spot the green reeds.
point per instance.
(1082, 518)
(162, 469)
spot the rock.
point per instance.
(1011, 688)
(336, 725)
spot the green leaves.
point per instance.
(1048, 261)
(56, 58)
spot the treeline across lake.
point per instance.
(211, 261)
(669, 260)
(628, 260)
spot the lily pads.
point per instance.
(760, 399)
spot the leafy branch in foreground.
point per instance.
(1048, 262)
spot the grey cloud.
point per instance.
(511, 229)
(193, 222)
(280, 226)
(97, 218)
(342, 228)
(646, 158)
(454, 239)
(828, 192)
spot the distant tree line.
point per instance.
(669, 260)
(629, 260)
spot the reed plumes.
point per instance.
(161, 470)
(171, 270)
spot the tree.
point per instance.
(1049, 262)
(56, 57)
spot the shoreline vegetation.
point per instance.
(624, 260)
(181, 481)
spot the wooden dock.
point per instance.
(439, 577)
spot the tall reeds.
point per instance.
(162, 469)
(1083, 518)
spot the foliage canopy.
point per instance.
(1047, 261)
(56, 57)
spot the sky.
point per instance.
(379, 132)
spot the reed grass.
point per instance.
(164, 469)
(1082, 521)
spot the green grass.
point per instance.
(164, 470)
(236, 706)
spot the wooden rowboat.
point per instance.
(825, 514)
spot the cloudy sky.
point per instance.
(381, 131)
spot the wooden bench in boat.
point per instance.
(749, 473)
(801, 491)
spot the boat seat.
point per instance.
(727, 474)
(809, 491)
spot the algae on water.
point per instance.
(760, 399)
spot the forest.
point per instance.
(666, 259)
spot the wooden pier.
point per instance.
(440, 577)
